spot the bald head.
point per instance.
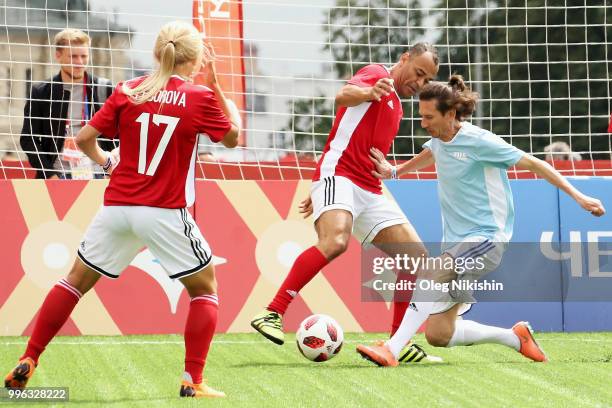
(415, 68)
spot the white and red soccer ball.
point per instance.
(319, 338)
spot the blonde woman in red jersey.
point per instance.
(158, 119)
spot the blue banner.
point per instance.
(591, 269)
(577, 279)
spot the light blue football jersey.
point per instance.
(473, 186)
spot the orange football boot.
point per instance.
(378, 353)
(19, 376)
(529, 345)
(199, 391)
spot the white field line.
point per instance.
(180, 342)
(548, 386)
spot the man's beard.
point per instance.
(73, 75)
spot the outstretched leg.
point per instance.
(334, 231)
(444, 330)
(400, 239)
(55, 310)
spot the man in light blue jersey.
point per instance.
(478, 216)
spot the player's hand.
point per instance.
(115, 157)
(592, 205)
(306, 207)
(112, 161)
(383, 169)
(210, 79)
(383, 87)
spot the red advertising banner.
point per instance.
(220, 22)
(253, 228)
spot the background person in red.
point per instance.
(158, 119)
(345, 196)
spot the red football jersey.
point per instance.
(357, 129)
(158, 141)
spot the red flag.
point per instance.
(221, 23)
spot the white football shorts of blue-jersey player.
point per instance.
(478, 216)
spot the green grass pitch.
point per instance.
(145, 371)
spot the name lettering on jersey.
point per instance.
(460, 155)
(170, 97)
(390, 103)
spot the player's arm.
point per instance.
(550, 174)
(418, 162)
(384, 169)
(229, 108)
(103, 122)
(86, 140)
(231, 111)
(352, 95)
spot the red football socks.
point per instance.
(199, 331)
(305, 267)
(54, 312)
(399, 309)
(401, 300)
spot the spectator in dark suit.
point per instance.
(57, 108)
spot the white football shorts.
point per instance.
(118, 233)
(371, 212)
(490, 254)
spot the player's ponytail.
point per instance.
(167, 59)
(176, 44)
(456, 82)
(453, 95)
(464, 99)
